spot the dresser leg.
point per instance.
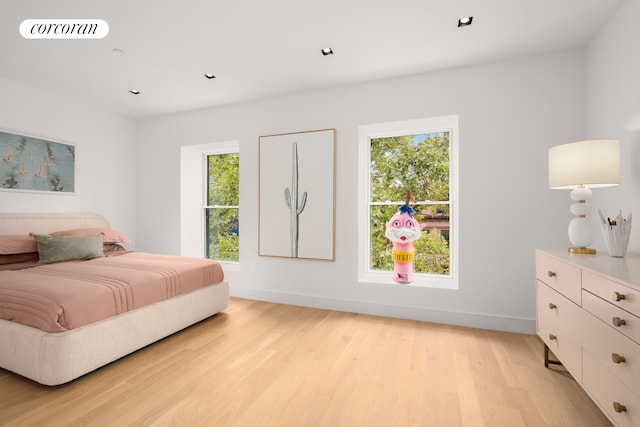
(547, 361)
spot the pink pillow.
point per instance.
(18, 258)
(17, 244)
(109, 235)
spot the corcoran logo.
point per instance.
(64, 29)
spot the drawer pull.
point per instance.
(617, 358)
(618, 321)
(619, 407)
(551, 273)
(552, 305)
(552, 337)
(617, 296)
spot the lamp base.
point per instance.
(582, 250)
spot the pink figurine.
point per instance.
(403, 230)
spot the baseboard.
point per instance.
(448, 317)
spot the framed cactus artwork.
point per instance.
(297, 183)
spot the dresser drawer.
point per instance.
(557, 318)
(620, 295)
(561, 276)
(618, 319)
(615, 352)
(614, 398)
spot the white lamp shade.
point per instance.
(594, 163)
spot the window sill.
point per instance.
(419, 280)
(230, 265)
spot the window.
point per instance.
(221, 213)
(200, 207)
(419, 155)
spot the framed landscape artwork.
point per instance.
(297, 195)
(34, 164)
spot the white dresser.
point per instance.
(588, 315)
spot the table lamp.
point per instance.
(581, 166)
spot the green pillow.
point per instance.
(67, 248)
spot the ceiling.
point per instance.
(259, 49)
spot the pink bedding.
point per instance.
(67, 295)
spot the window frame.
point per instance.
(205, 202)
(193, 193)
(407, 127)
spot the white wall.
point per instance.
(613, 109)
(510, 114)
(105, 154)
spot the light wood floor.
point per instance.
(263, 364)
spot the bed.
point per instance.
(54, 357)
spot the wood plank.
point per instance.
(276, 365)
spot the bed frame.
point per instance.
(57, 358)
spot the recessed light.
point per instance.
(117, 51)
(327, 51)
(209, 76)
(135, 92)
(463, 22)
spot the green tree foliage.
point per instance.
(421, 164)
(222, 221)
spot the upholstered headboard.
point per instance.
(44, 223)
